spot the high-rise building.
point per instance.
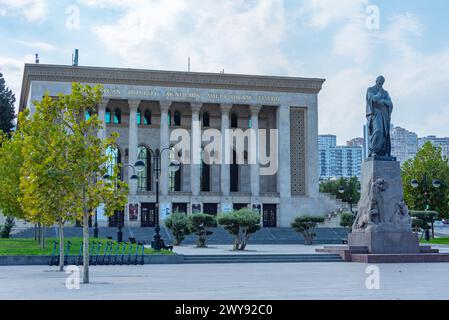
(338, 161)
(356, 142)
(404, 144)
(437, 142)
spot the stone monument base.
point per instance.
(385, 242)
(361, 255)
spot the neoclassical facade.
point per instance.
(144, 107)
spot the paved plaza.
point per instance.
(231, 281)
(262, 249)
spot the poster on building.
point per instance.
(133, 212)
(165, 210)
(227, 207)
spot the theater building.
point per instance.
(145, 106)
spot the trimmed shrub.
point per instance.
(242, 225)
(347, 220)
(200, 223)
(179, 226)
(306, 225)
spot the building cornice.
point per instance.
(102, 75)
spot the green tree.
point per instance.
(424, 220)
(200, 223)
(351, 189)
(179, 225)
(5, 231)
(242, 225)
(7, 112)
(306, 225)
(428, 166)
(64, 178)
(347, 220)
(10, 165)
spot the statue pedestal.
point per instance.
(385, 242)
(383, 224)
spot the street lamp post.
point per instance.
(139, 165)
(342, 190)
(425, 183)
(157, 171)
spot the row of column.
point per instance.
(195, 147)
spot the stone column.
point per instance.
(165, 143)
(284, 170)
(284, 177)
(254, 148)
(102, 117)
(133, 141)
(195, 174)
(225, 150)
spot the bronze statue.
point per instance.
(379, 108)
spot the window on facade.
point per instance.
(250, 122)
(117, 116)
(114, 159)
(169, 118)
(144, 182)
(177, 118)
(206, 120)
(108, 116)
(175, 181)
(234, 173)
(139, 117)
(234, 121)
(147, 118)
(205, 177)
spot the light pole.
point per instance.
(342, 191)
(426, 186)
(157, 172)
(139, 165)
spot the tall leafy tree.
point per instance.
(428, 166)
(63, 176)
(88, 160)
(10, 164)
(7, 112)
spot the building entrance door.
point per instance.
(148, 215)
(210, 208)
(269, 216)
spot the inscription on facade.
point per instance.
(213, 97)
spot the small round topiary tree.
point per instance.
(242, 224)
(179, 225)
(306, 225)
(199, 223)
(347, 220)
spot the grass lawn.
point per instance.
(437, 241)
(30, 247)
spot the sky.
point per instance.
(347, 42)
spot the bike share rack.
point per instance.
(111, 253)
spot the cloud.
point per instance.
(416, 80)
(342, 104)
(12, 70)
(322, 13)
(354, 42)
(242, 36)
(32, 10)
(37, 45)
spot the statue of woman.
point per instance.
(379, 108)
